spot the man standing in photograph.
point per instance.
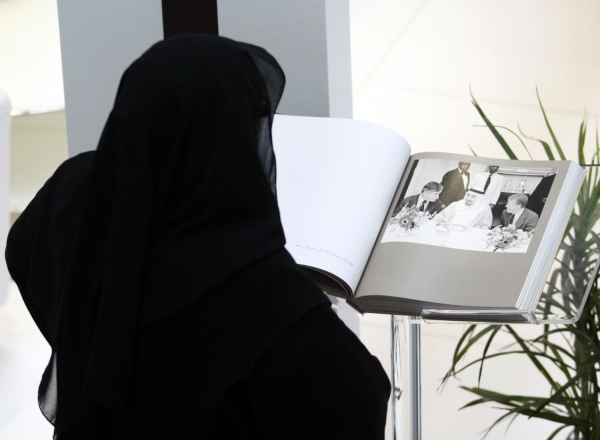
(490, 183)
(455, 183)
(517, 216)
(427, 201)
(537, 199)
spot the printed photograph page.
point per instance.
(335, 182)
(464, 230)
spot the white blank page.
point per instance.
(335, 181)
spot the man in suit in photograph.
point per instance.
(455, 183)
(517, 216)
(427, 201)
(537, 199)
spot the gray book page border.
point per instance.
(451, 276)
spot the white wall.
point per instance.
(99, 39)
(4, 189)
(30, 69)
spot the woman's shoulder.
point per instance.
(74, 167)
(65, 180)
(61, 190)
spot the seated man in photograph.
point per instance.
(427, 201)
(517, 216)
(469, 212)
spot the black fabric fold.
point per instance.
(178, 197)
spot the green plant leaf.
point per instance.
(581, 139)
(495, 331)
(488, 357)
(556, 144)
(509, 152)
(589, 364)
(468, 339)
(532, 357)
(522, 405)
(556, 432)
(544, 144)
(566, 356)
(515, 135)
(573, 331)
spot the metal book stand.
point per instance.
(562, 302)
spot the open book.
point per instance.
(395, 233)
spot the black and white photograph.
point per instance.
(470, 206)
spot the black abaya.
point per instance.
(317, 381)
(155, 266)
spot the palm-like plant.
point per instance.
(566, 356)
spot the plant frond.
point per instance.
(568, 357)
(589, 364)
(515, 135)
(544, 144)
(485, 350)
(549, 127)
(556, 432)
(509, 152)
(522, 405)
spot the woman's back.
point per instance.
(155, 266)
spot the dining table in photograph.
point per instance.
(451, 236)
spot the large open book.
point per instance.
(395, 233)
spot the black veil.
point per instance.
(178, 197)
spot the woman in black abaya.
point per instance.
(155, 267)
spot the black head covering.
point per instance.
(178, 197)
(176, 181)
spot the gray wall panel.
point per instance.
(98, 41)
(299, 34)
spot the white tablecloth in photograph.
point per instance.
(430, 233)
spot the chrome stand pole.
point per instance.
(406, 378)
